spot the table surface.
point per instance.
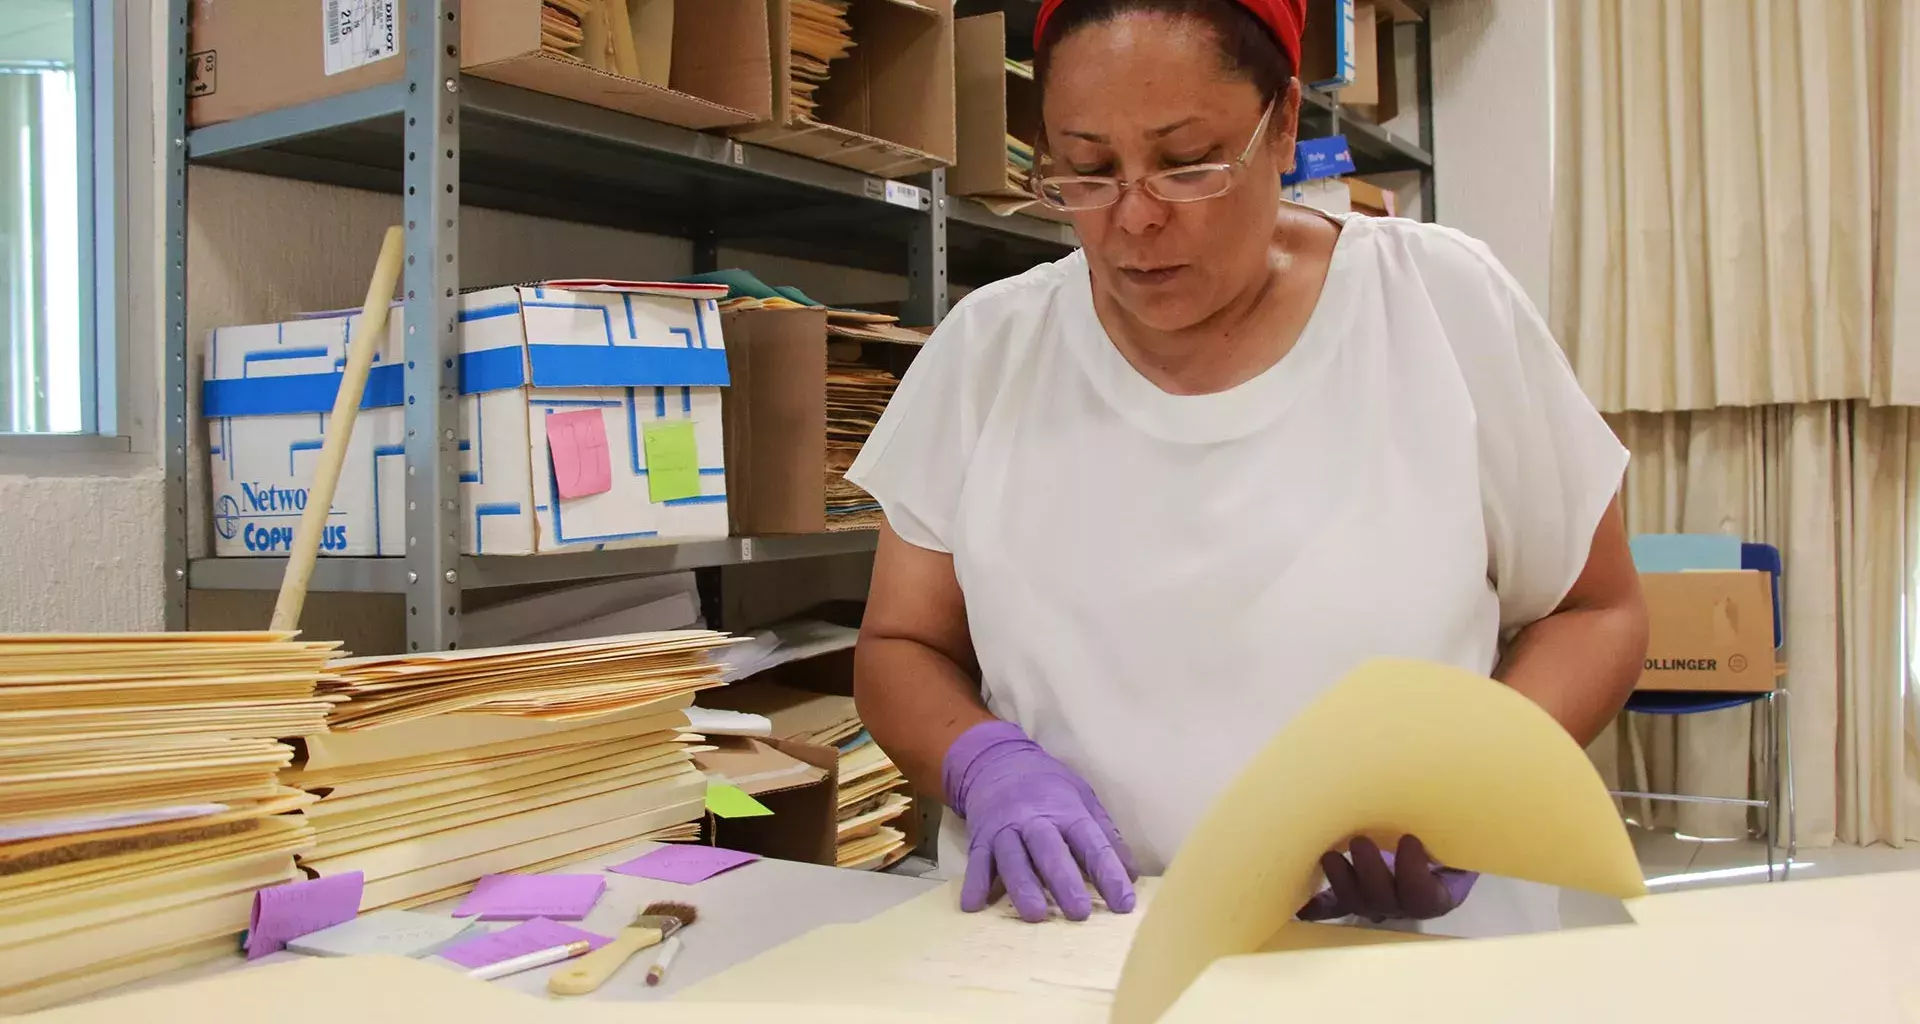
(743, 913)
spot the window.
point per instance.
(49, 354)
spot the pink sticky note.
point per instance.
(289, 911)
(522, 897)
(519, 940)
(581, 462)
(684, 864)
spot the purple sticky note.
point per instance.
(525, 937)
(522, 897)
(289, 911)
(578, 442)
(684, 864)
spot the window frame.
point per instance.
(114, 88)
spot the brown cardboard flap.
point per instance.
(509, 28)
(756, 766)
(559, 76)
(717, 54)
(1365, 90)
(836, 145)
(802, 824)
(1709, 631)
(980, 69)
(1386, 74)
(775, 420)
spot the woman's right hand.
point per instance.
(1033, 824)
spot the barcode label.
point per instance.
(359, 32)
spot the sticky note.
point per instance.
(729, 801)
(523, 938)
(673, 461)
(385, 933)
(289, 911)
(685, 864)
(522, 897)
(577, 442)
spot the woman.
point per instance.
(1145, 503)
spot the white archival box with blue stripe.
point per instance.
(639, 353)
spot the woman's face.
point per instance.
(1146, 92)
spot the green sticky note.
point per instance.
(673, 461)
(728, 801)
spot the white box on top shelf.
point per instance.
(632, 368)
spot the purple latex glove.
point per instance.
(1377, 885)
(1035, 825)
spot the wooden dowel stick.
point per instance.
(365, 342)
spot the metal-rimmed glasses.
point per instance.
(1190, 184)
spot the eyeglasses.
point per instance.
(1188, 184)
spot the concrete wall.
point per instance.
(1493, 128)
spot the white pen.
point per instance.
(528, 961)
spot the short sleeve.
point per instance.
(1549, 464)
(915, 459)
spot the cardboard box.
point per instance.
(1710, 631)
(887, 108)
(992, 103)
(775, 413)
(636, 354)
(1328, 48)
(1370, 199)
(798, 782)
(258, 55)
(1375, 94)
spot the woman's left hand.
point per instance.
(1369, 883)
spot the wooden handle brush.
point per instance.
(333, 451)
(655, 924)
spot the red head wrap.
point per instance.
(1286, 19)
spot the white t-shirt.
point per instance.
(1156, 583)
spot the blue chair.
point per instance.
(1778, 752)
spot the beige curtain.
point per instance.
(1735, 221)
(1833, 484)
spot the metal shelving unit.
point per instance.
(440, 139)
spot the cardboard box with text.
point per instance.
(251, 57)
(1709, 631)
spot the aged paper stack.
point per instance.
(445, 767)
(818, 36)
(856, 396)
(139, 804)
(562, 31)
(870, 803)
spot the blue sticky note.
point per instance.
(1685, 552)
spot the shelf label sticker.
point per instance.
(899, 193)
(358, 32)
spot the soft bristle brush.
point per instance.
(656, 923)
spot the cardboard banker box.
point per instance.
(589, 418)
(1710, 631)
(250, 56)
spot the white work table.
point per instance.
(743, 913)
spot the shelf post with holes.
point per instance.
(927, 256)
(431, 204)
(174, 226)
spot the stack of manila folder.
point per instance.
(445, 767)
(1480, 772)
(139, 801)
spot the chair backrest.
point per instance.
(1766, 558)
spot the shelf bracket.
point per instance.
(432, 207)
(927, 256)
(174, 220)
